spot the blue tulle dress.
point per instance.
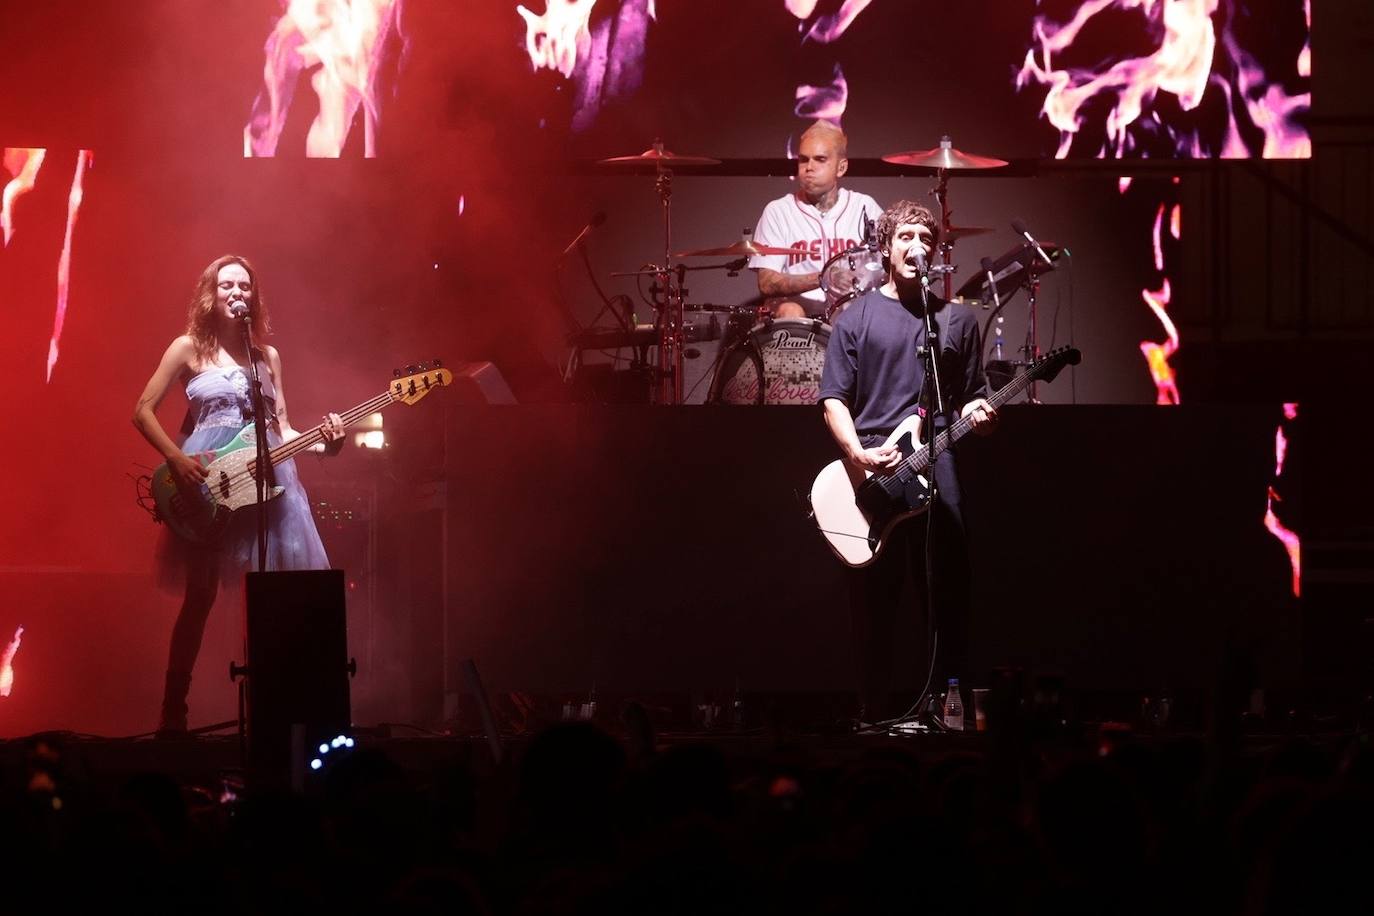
(219, 408)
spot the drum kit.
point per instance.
(769, 360)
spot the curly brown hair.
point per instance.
(200, 315)
(901, 213)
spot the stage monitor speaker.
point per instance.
(297, 671)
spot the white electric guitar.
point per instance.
(856, 510)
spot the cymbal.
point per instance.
(659, 157)
(944, 157)
(744, 248)
(954, 233)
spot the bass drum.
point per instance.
(778, 362)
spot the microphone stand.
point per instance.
(264, 467)
(933, 396)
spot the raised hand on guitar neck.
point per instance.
(333, 430)
(981, 415)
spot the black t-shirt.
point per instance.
(871, 363)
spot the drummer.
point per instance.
(817, 221)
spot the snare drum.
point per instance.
(778, 362)
(848, 274)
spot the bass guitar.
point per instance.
(231, 480)
(856, 510)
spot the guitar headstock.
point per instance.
(414, 382)
(1049, 364)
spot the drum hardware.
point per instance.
(945, 159)
(848, 275)
(646, 335)
(669, 316)
(1021, 265)
(1011, 269)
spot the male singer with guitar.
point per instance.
(874, 378)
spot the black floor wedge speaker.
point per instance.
(296, 673)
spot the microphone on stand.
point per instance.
(1019, 227)
(597, 219)
(918, 260)
(238, 308)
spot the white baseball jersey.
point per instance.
(792, 222)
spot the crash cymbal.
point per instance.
(744, 248)
(944, 156)
(659, 157)
(954, 233)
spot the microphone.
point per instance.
(918, 260)
(1019, 227)
(597, 219)
(992, 283)
(238, 308)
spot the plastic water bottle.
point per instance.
(954, 707)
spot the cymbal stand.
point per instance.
(941, 193)
(1031, 350)
(669, 318)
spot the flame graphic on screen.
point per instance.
(555, 39)
(605, 61)
(84, 159)
(23, 164)
(7, 663)
(344, 39)
(1157, 354)
(1305, 55)
(829, 101)
(1289, 539)
(826, 102)
(827, 28)
(1188, 59)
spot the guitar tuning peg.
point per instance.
(438, 363)
(395, 373)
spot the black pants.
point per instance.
(875, 597)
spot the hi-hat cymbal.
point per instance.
(944, 157)
(659, 157)
(744, 248)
